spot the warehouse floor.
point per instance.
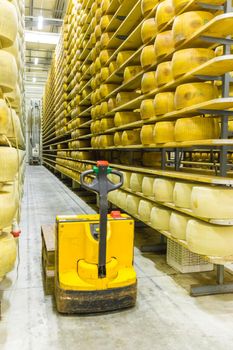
(165, 317)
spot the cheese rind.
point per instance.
(160, 218)
(177, 225)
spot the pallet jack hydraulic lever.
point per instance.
(102, 186)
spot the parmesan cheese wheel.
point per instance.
(118, 138)
(105, 56)
(131, 137)
(160, 218)
(136, 182)
(151, 159)
(186, 24)
(121, 200)
(196, 128)
(8, 68)
(179, 4)
(130, 72)
(111, 104)
(14, 132)
(193, 93)
(126, 182)
(148, 5)
(104, 108)
(104, 73)
(10, 160)
(8, 252)
(105, 38)
(8, 204)
(144, 210)
(8, 23)
(147, 186)
(207, 239)
(177, 225)
(105, 5)
(163, 103)
(148, 56)
(122, 57)
(147, 109)
(183, 61)
(125, 97)
(148, 30)
(106, 89)
(146, 135)
(4, 117)
(164, 44)
(212, 202)
(163, 190)
(106, 141)
(104, 22)
(132, 203)
(164, 132)
(113, 67)
(164, 73)
(122, 118)
(165, 12)
(149, 82)
(182, 194)
(106, 123)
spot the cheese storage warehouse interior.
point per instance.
(145, 86)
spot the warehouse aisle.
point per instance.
(165, 317)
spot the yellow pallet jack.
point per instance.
(94, 254)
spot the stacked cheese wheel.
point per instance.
(12, 123)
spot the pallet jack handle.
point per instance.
(102, 185)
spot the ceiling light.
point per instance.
(40, 22)
(36, 60)
(34, 80)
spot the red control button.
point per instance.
(115, 214)
(102, 163)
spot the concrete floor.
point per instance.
(165, 317)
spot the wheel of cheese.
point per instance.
(132, 203)
(146, 134)
(164, 132)
(125, 97)
(205, 202)
(207, 239)
(148, 30)
(10, 159)
(163, 103)
(164, 73)
(126, 176)
(186, 24)
(122, 118)
(97, 65)
(121, 199)
(183, 61)
(105, 5)
(106, 89)
(147, 186)
(165, 12)
(136, 182)
(104, 22)
(97, 32)
(8, 68)
(130, 72)
(122, 57)
(148, 56)
(8, 204)
(5, 117)
(164, 44)
(163, 190)
(106, 141)
(14, 97)
(14, 51)
(178, 224)
(106, 123)
(151, 159)
(118, 138)
(105, 55)
(113, 67)
(104, 108)
(8, 252)
(148, 5)
(105, 39)
(193, 93)
(182, 194)
(144, 210)
(149, 82)
(104, 73)
(147, 109)
(179, 4)
(111, 104)
(196, 128)
(8, 23)
(160, 218)
(130, 137)
(14, 132)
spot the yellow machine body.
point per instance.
(77, 250)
